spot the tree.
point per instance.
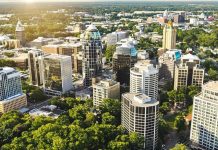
(164, 108)
(107, 118)
(110, 51)
(112, 106)
(179, 123)
(213, 74)
(179, 147)
(37, 96)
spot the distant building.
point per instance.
(72, 50)
(56, 74)
(169, 36)
(204, 129)
(179, 18)
(188, 72)
(20, 33)
(92, 54)
(105, 89)
(33, 64)
(113, 38)
(167, 62)
(144, 79)
(139, 113)
(11, 95)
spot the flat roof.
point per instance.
(212, 85)
(140, 100)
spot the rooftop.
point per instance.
(5, 70)
(141, 100)
(212, 85)
(56, 56)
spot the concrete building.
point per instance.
(33, 65)
(167, 63)
(139, 113)
(92, 54)
(144, 79)
(204, 129)
(179, 18)
(188, 72)
(105, 89)
(169, 36)
(56, 72)
(11, 95)
(113, 38)
(123, 59)
(70, 49)
(20, 33)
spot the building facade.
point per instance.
(167, 63)
(105, 89)
(139, 113)
(188, 72)
(71, 49)
(33, 65)
(169, 36)
(204, 127)
(92, 54)
(123, 59)
(144, 79)
(56, 72)
(11, 95)
(20, 33)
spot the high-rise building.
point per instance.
(33, 64)
(56, 72)
(188, 72)
(92, 54)
(167, 62)
(179, 18)
(204, 127)
(123, 59)
(11, 95)
(140, 114)
(169, 36)
(20, 33)
(105, 89)
(144, 79)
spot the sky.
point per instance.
(31, 1)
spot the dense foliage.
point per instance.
(78, 128)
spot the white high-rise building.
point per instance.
(139, 113)
(92, 54)
(144, 79)
(204, 128)
(20, 32)
(11, 95)
(113, 38)
(56, 72)
(105, 89)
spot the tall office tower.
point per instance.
(56, 74)
(92, 54)
(33, 64)
(123, 59)
(105, 89)
(139, 113)
(169, 36)
(20, 33)
(144, 79)
(167, 62)
(204, 127)
(188, 72)
(11, 95)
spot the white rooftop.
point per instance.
(6, 70)
(91, 28)
(190, 57)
